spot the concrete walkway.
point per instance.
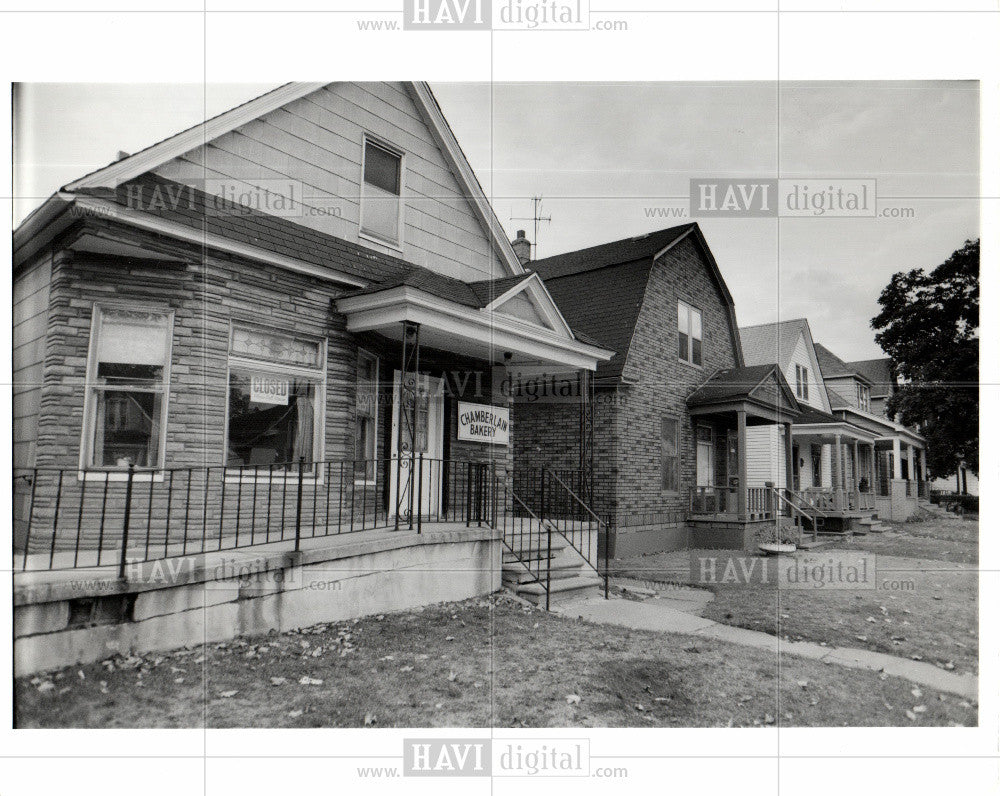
(668, 616)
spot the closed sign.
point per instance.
(266, 389)
(483, 423)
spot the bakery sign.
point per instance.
(483, 423)
(265, 389)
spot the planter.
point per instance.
(776, 548)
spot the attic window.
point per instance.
(381, 207)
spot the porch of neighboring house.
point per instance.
(901, 482)
(834, 472)
(724, 512)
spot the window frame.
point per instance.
(318, 374)
(801, 382)
(676, 457)
(93, 472)
(864, 397)
(363, 352)
(366, 139)
(691, 308)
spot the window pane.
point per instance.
(133, 337)
(380, 213)
(682, 318)
(381, 168)
(682, 346)
(696, 351)
(280, 348)
(127, 428)
(668, 453)
(262, 433)
(696, 324)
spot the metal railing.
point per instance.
(74, 518)
(799, 510)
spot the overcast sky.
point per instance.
(606, 156)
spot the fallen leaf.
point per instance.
(911, 715)
(406, 668)
(802, 683)
(917, 693)
(278, 681)
(572, 699)
(306, 680)
(920, 709)
(294, 714)
(227, 694)
(370, 719)
(47, 686)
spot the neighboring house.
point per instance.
(271, 319)
(831, 459)
(881, 380)
(900, 472)
(671, 409)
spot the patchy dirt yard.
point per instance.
(477, 663)
(925, 606)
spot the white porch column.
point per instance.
(838, 471)
(855, 468)
(923, 464)
(912, 468)
(897, 459)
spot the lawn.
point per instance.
(477, 663)
(946, 539)
(926, 606)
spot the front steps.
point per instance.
(870, 525)
(569, 575)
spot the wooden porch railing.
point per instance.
(725, 500)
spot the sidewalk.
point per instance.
(672, 615)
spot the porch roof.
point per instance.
(759, 390)
(815, 424)
(460, 317)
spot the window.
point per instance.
(128, 375)
(802, 382)
(864, 397)
(689, 333)
(276, 389)
(366, 417)
(381, 208)
(669, 448)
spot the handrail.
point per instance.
(801, 511)
(601, 525)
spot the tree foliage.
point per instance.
(929, 327)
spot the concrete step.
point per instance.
(562, 591)
(518, 573)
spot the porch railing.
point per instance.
(713, 500)
(725, 500)
(73, 518)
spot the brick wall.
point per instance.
(627, 427)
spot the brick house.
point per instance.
(666, 442)
(309, 290)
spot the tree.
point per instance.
(929, 327)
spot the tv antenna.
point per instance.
(536, 217)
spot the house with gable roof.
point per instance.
(665, 454)
(287, 324)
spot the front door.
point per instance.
(428, 433)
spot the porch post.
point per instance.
(912, 474)
(789, 464)
(872, 469)
(741, 441)
(409, 386)
(585, 385)
(838, 473)
(897, 460)
(855, 472)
